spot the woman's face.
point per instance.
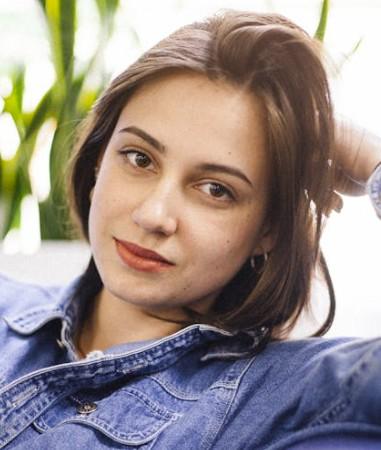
(184, 175)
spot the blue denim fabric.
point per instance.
(196, 389)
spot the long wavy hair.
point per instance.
(281, 64)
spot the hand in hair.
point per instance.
(358, 152)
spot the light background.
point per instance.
(352, 240)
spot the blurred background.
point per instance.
(56, 56)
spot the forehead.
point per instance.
(196, 116)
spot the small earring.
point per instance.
(252, 259)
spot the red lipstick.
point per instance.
(140, 258)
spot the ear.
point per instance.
(265, 242)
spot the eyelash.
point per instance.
(226, 191)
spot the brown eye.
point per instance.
(142, 160)
(217, 191)
(137, 159)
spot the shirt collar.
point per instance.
(64, 305)
(45, 309)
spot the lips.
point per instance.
(141, 258)
(142, 252)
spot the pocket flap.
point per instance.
(127, 416)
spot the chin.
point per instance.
(140, 297)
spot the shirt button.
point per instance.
(86, 408)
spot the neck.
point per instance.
(113, 321)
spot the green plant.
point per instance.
(65, 103)
(322, 25)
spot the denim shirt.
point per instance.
(199, 388)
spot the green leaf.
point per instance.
(355, 48)
(107, 10)
(60, 16)
(66, 101)
(13, 103)
(8, 180)
(347, 56)
(67, 29)
(54, 219)
(16, 183)
(42, 3)
(40, 114)
(18, 81)
(322, 26)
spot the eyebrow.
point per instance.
(207, 167)
(145, 136)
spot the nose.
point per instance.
(156, 213)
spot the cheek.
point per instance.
(224, 246)
(110, 196)
(215, 259)
(95, 223)
(104, 206)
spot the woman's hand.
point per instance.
(358, 152)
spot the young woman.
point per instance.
(201, 180)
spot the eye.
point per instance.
(217, 190)
(137, 159)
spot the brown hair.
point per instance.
(273, 58)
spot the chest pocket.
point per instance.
(127, 417)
